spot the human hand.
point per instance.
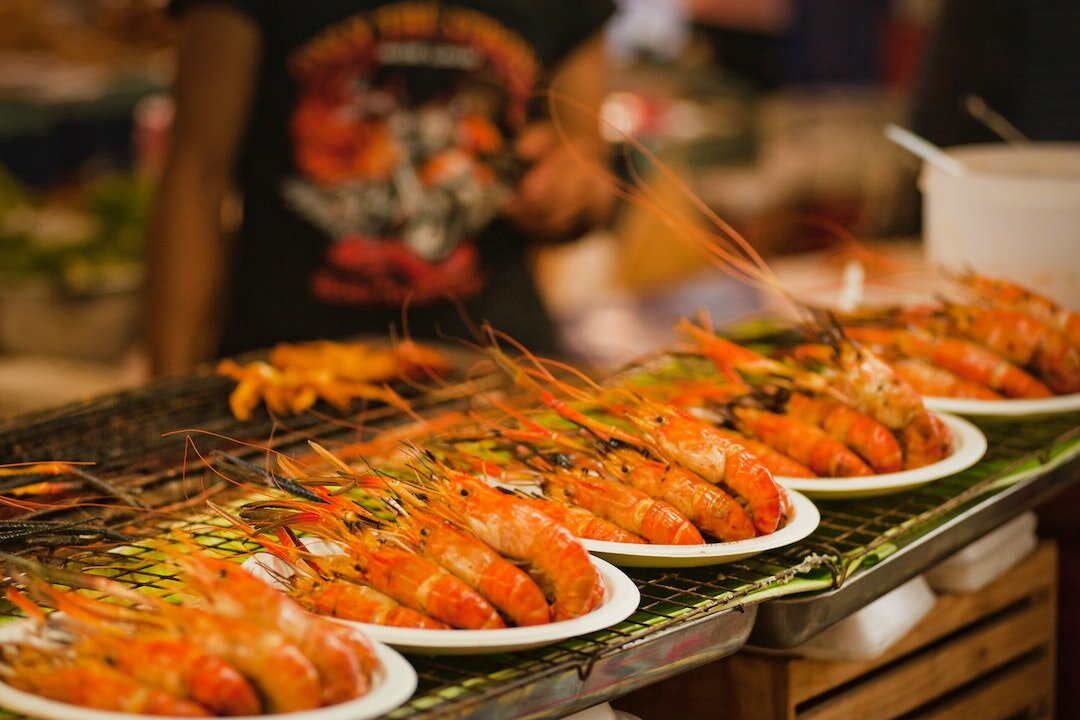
(558, 196)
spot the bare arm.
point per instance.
(764, 16)
(558, 195)
(186, 252)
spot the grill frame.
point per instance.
(687, 617)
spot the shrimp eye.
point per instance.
(625, 469)
(464, 492)
(423, 532)
(562, 460)
(659, 419)
(223, 573)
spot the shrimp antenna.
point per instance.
(525, 377)
(830, 329)
(709, 244)
(466, 319)
(62, 576)
(276, 549)
(333, 460)
(733, 253)
(271, 478)
(542, 363)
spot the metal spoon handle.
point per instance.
(993, 120)
(925, 149)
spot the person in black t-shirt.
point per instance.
(388, 154)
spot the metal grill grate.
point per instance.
(123, 434)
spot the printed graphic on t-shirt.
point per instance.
(399, 139)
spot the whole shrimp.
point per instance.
(344, 659)
(700, 400)
(929, 379)
(581, 522)
(408, 578)
(873, 388)
(668, 432)
(504, 584)
(92, 683)
(1008, 295)
(819, 401)
(131, 668)
(508, 525)
(520, 532)
(650, 518)
(850, 374)
(866, 436)
(966, 359)
(1024, 340)
(708, 507)
(500, 582)
(340, 597)
(777, 462)
(803, 442)
(259, 654)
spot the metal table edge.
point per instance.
(643, 661)
(785, 623)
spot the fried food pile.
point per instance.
(295, 376)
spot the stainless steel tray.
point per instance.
(566, 690)
(786, 623)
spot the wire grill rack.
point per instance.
(123, 434)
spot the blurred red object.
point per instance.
(903, 45)
(153, 118)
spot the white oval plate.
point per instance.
(1006, 408)
(621, 599)
(803, 521)
(393, 686)
(969, 447)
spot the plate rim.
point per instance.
(1018, 407)
(396, 684)
(972, 449)
(621, 600)
(805, 521)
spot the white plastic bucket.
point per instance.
(1015, 214)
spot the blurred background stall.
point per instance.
(83, 115)
(770, 112)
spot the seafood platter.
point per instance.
(999, 349)
(239, 648)
(333, 504)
